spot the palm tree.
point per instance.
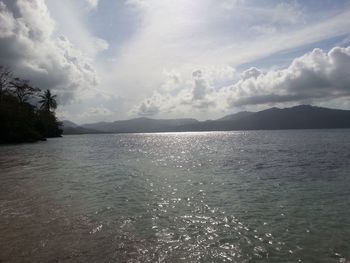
(48, 101)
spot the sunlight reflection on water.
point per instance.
(178, 197)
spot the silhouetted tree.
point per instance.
(22, 89)
(50, 126)
(5, 78)
(48, 101)
(20, 120)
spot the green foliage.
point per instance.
(20, 121)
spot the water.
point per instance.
(257, 196)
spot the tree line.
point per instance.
(27, 113)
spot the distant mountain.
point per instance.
(69, 124)
(70, 127)
(140, 125)
(298, 117)
(236, 116)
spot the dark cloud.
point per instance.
(29, 45)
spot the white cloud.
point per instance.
(30, 44)
(251, 73)
(93, 106)
(317, 76)
(92, 3)
(229, 4)
(287, 14)
(148, 68)
(187, 35)
(69, 18)
(98, 111)
(182, 94)
(89, 114)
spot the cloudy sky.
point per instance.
(119, 59)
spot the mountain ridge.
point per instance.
(297, 117)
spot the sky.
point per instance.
(118, 59)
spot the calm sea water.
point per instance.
(257, 196)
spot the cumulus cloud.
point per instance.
(29, 44)
(147, 108)
(200, 88)
(251, 73)
(189, 35)
(317, 76)
(174, 58)
(182, 95)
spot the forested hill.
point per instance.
(26, 113)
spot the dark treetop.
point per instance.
(26, 114)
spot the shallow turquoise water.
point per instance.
(257, 196)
